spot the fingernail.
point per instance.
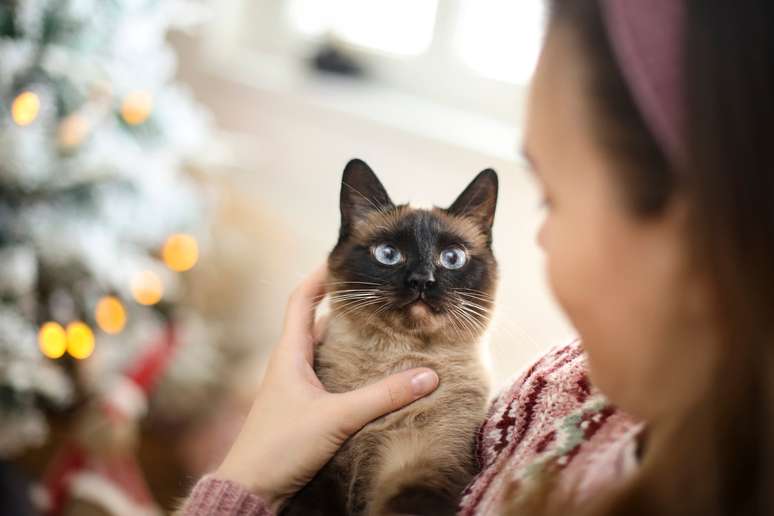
(424, 382)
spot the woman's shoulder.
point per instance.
(550, 411)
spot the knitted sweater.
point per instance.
(551, 413)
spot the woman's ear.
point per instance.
(479, 200)
(361, 193)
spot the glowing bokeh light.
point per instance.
(80, 340)
(137, 107)
(147, 288)
(72, 131)
(110, 315)
(52, 340)
(180, 252)
(25, 108)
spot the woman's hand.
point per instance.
(295, 426)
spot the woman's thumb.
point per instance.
(379, 398)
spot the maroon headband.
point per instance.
(647, 39)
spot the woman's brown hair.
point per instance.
(717, 458)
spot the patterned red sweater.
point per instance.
(551, 413)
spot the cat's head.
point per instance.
(414, 271)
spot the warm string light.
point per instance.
(137, 107)
(77, 340)
(25, 108)
(180, 252)
(52, 340)
(77, 126)
(73, 130)
(147, 288)
(110, 315)
(80, 340)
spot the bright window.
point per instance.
(474, 55)
(403, 27)
(500, 39)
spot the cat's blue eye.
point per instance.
(387, 254)
(454, 258)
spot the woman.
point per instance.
(648, 130)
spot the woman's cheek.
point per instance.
(576, 274)
(585, 278)
(571, 279)
(565, 273)
(575, 266)
(561, 261)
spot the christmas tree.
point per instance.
(98, 217)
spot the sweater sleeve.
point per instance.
(216, 497)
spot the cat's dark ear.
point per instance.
(361, 193)
(479, 200)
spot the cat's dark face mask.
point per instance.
(414, 270)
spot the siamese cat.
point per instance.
(407, 287)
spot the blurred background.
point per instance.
(170, 170)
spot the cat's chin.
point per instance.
(420, 317)
(419, 310)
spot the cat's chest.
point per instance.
(346, 360)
